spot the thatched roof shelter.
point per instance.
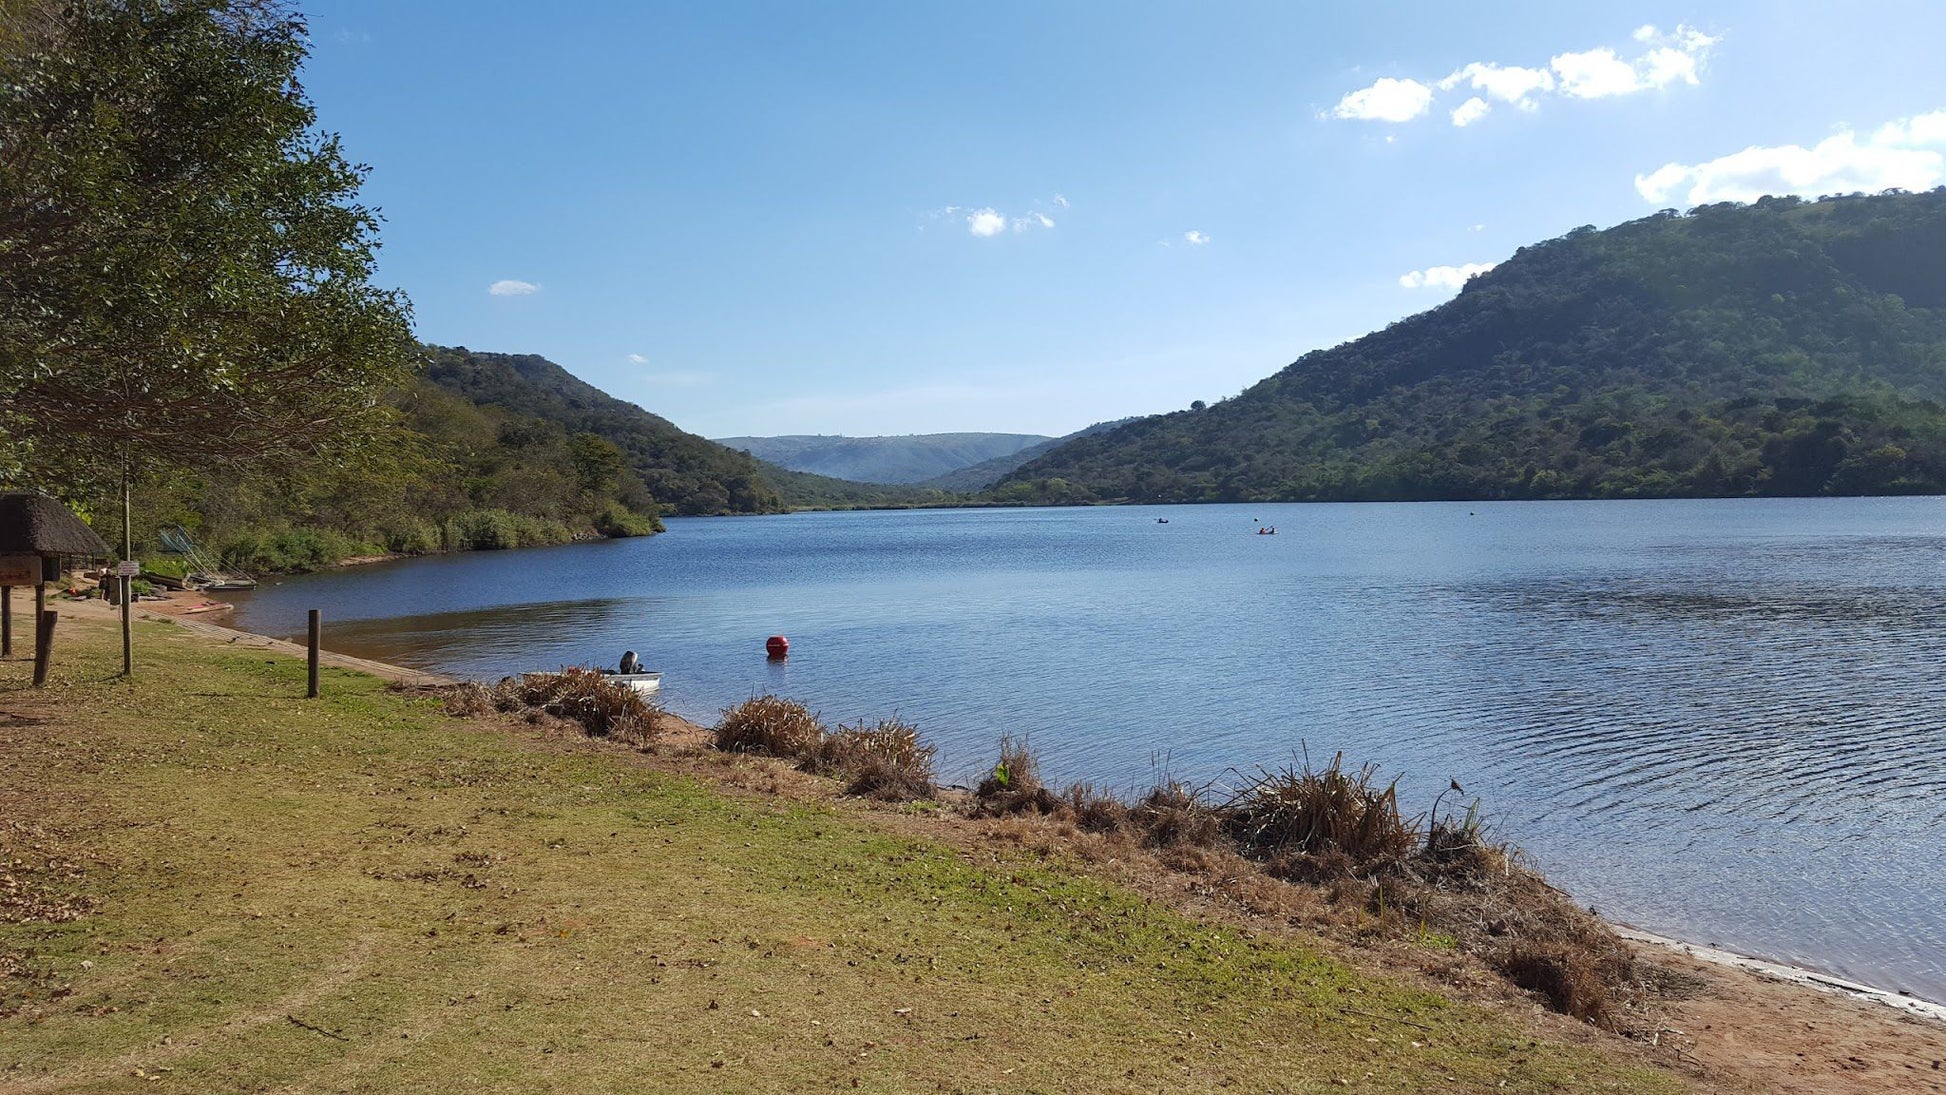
(34, 524)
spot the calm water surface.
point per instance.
(1720, 720)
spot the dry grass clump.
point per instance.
(769, 725)
(885, 761)
(1095, 810)
(1014, 786)
(1318, 823)
(584, 697)
(1175, 815)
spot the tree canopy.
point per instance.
(185, 268)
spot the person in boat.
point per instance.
(630, 663)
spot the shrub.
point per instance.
(770, 725)
(1322, 814)
(1095, 810)
(1565, 976)
(287, 551)
(586, 697)
(1176, 814)
(883, 761)
(616, 520)
(482, 530)
(1014, 786)
(411, 536)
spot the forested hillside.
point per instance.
(449, 476)
(912, 458)
(685, 473)
(1780, 348)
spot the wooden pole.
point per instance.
(6, 621)
(128, 647)
(43, 646)
(128, 552)
(317, 630)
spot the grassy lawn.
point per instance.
(361, 894)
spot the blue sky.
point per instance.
(910, 217)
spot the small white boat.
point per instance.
(646, 683)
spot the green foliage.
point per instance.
(1780, 348)
(288, 550)
(499, 530)
(615, 520)
(678, 469)
(186, 263)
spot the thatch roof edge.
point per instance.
(39, 525)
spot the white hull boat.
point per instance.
(646, 683)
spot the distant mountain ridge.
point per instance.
(1780, 348)
(911, 458)
(976, 477)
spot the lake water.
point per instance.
(1719, 720)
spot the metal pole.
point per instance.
(43, 646)
(6, 621)
(317, 628)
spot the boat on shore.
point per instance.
(648, 684)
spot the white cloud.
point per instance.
(985, 222)
(1387, 100)
(1594, 74)
(1908, 154)
(1665, 60)
(1477, 228)
(508, 287)
(1443, 277)
(1470, 111)
(1195, 238)
(637, 359)
(1509, 84)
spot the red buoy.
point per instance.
(777, 647)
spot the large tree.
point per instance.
(185, 267)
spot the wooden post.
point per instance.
(317, 628)
(128, 647)
(6, 621)
(43, 646)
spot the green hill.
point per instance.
(1780, 348)
(912, 458)
(683, 472)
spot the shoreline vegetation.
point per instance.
(487, 833)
